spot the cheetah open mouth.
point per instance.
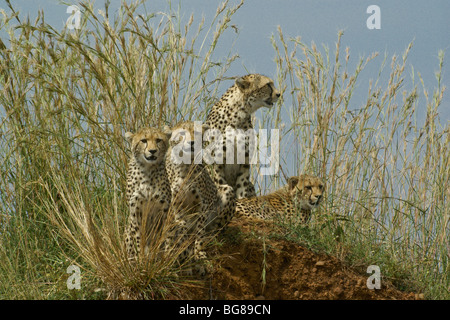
(151, 158)
(314, 203)
(269, 102)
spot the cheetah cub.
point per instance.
(299, 196)
(147, 184)
(202, 206)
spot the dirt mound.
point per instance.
(289, 271)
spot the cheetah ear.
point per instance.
(129, 136)
(242, 83)
(292, 182)
(167, 131)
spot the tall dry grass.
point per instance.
(67, 98)
(387, 173)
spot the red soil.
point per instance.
(291, 271)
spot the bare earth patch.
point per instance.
(291, 272)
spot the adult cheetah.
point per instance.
(233, 112)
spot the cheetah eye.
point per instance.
(321, 187)
(158, 140)
(144, 140)
(308, 187)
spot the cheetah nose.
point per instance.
(152, 151)
(278, 94)
(317, 200)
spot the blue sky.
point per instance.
(427, 23)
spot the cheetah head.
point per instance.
(258, 90)
(149, 145)
(186, 141)
(307, 189)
